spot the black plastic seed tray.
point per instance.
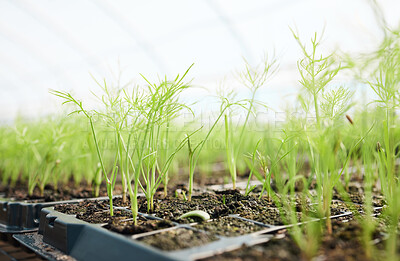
(85, 241)
(23, 216)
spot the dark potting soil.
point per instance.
(91, 211)
(168, 208)
(281, 248)
(338, 208)
(355, 194)
(217, 204)
(171, 208)
(343, 244)
(272, 216)
(269, 216)
(228, 227)
(179, 238)
(63, 192)
(126, 226)
(97, 212)
(100, 217)
(94, 211)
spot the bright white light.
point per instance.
(56, 44)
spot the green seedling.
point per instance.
(269, 164)
(253, 79)
(252, 166)
(42, 151)
(184, 196)
(316, 72)
(110, 181)
(306, 234)
(158, 107)
(194, 151)
(32, 156)
(386, 84)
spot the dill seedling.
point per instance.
(194, 151)
(110, 181)
(326, 149)
(252, 165)
(253, 78)
(386, 83)
(42, 151)
(156, 109)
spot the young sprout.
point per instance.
(110, 181)
(11, 162)
(157, 108)
(252, 166)
(386, 83)
(325, 146)
(31, 155)
(367, 221)
(253, 78)
(380, 70)
(270, 164)
(42, 153)
(194, 151)
(306, 234)
(267, 175)
(93, 165)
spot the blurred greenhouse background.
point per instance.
(59, 44)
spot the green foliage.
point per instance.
(253, 78)
(132, 138)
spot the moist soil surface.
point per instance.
(281, 247)
(63, 192)
(228, 227)
(126, 226)
(219, 205)
(343, 244)
(97, 212)
(92, 211)
(177, 239)
(355, 194)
